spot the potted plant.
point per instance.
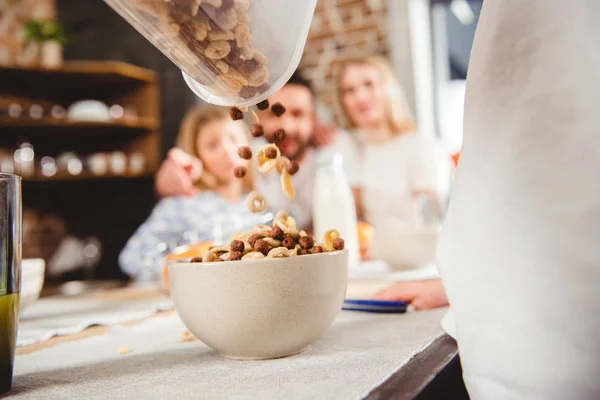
(44, 41)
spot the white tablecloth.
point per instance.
(57, 316)
(355, 355)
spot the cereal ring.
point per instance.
(201, 31)
(266, 164)
(247, 52)
(278, 252)
(243, 236)
(242, 5)
(303, 233)
(218, 49)
(214, 3)
(234, 80)
(282, 164)
(258, 77)
(286, 184)
(221, 249)
(262, 231)
(328, 239)
(280, 216)
(209, 256)
(242, 35)
(253, 255)
(260, 58)
(272, 242)
(220, 35)
(256, 203)
(286, 224)
(229, 20)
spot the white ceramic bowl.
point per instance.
(89, 110)
(32, 281)
(406, 249)
(260, 309)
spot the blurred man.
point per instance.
(306, 139)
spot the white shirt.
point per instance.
(520, 249)
(269, 185)
(393, 171)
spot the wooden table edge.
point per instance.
(413, 377)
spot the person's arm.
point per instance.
(164, 223)
(177, 174)
(422, 295)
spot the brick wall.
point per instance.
(341, 29)
(13, 16)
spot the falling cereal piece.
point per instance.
(123, 350)
(292, 167)
(255, 202)
(245, 152)
(278, 109)
(279, 135)
(236, 114)
(338, 244)
(286, 184)
(240, 171)
(257, 130)
(255, 116)
(263, 105)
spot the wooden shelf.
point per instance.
(45, 123)
(64, 177)
(111, 70)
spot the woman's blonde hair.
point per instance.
(191, 127)
(397, 112)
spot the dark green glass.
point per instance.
(10, 273)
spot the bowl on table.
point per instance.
(32, 281)
(405, 249)
(260, 309)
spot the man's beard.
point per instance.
(298, 154)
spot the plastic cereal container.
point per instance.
(231, 52)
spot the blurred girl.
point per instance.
(208, 134)
(398, 163)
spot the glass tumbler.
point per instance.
(10, 273)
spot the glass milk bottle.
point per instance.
(333, 204)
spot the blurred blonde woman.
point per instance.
(398, 163)
(209, 135)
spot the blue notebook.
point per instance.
(376, 306)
